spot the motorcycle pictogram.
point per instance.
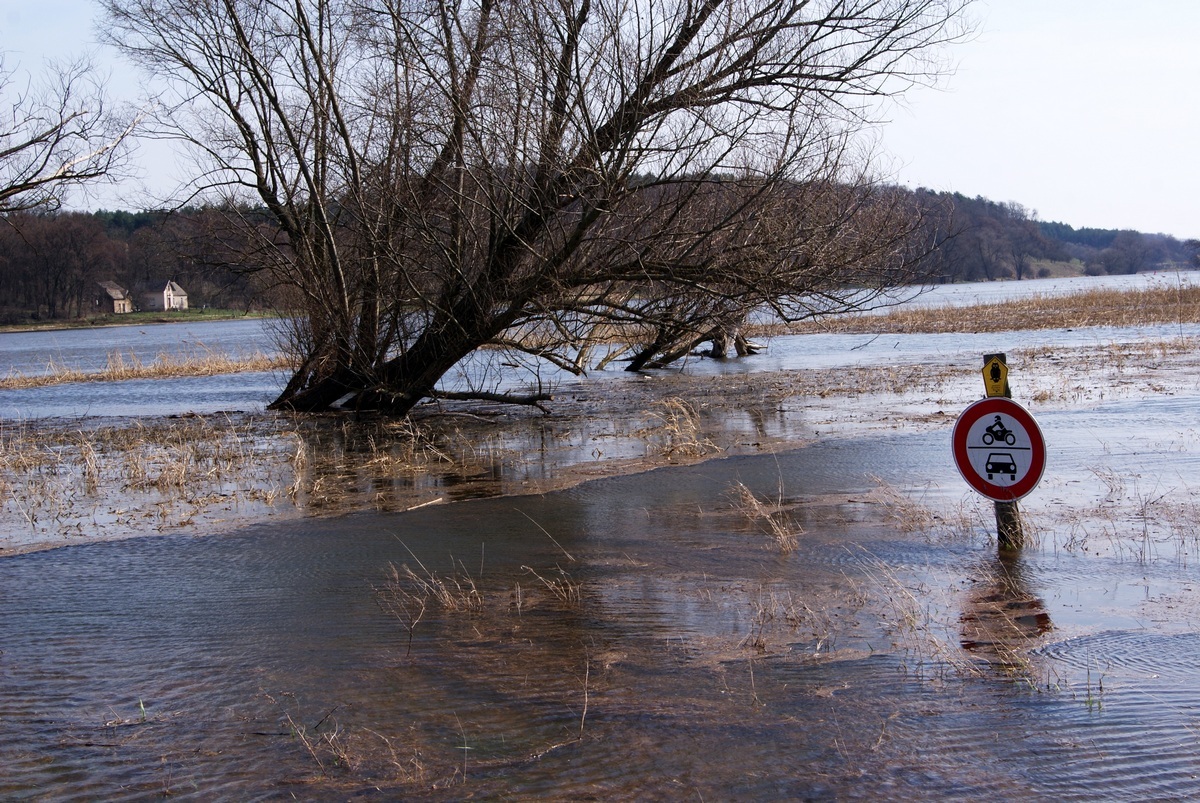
(996, 432)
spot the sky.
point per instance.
(1084, 112)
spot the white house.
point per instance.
(172, 297)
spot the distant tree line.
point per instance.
(51, 263)
(986, 240)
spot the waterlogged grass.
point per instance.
(677, 430)
(769, 516)
(121, 366)
(113, 481)
(1160, 305)
(1055, 375)
(66, 482)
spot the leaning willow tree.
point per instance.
(544, 176)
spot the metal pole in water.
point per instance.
(1008, 516)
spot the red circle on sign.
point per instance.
(1030, 433)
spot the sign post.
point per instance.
(999, 450)
(995, 376)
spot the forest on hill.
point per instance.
(988, 241)
(51, 263)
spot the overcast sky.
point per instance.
(1085, 111)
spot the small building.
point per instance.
(114, 299)
(171, 297)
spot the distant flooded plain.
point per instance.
(830, 621)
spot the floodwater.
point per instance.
(645, 637)
(684, 654)
(34, 353)
(249, 392)
(31, 352)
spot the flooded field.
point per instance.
(638, 636)
(810, 605)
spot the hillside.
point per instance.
(985, 240)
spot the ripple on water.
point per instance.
(1131, 654)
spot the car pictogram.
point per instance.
(1001, 463)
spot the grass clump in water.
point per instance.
(768, 517)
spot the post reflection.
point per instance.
(1002, 616)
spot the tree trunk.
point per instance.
(720, 343)
(399, 384)
(318, 397)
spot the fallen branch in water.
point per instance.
(532, 400)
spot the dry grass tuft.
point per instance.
(408, 595)
(773, 609)
(678, 431)
(913, 614)
(566, 590)
(770, 518)
(912, 516)
(456, 593)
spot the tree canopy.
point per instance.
(544, 175)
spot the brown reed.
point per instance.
(1157, 305)
(121, 366)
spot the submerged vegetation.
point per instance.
(1155, 305)
(61, 480)
(165, 366)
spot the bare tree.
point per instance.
(55, 135)
(541, 175)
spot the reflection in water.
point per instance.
(1002, 617)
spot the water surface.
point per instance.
(31, 352)
(874, 661)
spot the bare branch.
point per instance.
(56, 135)
(549, 175)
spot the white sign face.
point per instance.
(999, 449)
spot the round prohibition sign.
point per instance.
(999, 449)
